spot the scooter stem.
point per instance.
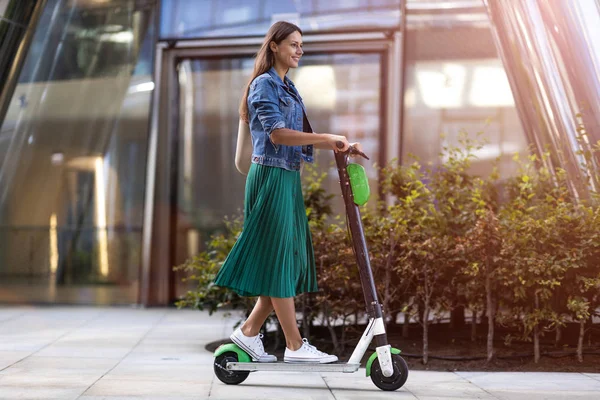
(359, 243)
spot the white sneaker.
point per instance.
(252, 345)
(309, 354)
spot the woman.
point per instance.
(273, 257)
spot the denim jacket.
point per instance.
(273, 106)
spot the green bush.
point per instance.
(442, 240)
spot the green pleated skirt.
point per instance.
(273, 255)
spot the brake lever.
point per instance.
(351, 149)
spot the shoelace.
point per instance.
(312, 348)
(260, 343)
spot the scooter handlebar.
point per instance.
(352, 150)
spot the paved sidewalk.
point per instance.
(125, 353)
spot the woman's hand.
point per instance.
(358, 147)
(332, 140)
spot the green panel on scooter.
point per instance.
(393, 350)
(224, 348)
(359, 184)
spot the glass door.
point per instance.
(343, 93)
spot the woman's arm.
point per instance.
(290, 137)
(322, 146)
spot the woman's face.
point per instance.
(288, 52)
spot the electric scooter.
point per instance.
(385, 366)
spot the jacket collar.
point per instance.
(275, 76)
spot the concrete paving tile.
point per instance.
(593, 376)
(7, 313)
(449, 398)
(110, 333)
(144, 388)
(356, 381)
(268, 393)
(286, 379)
(197, 346)
(132, 353)
(464, 390)
(164, 372)
(89, 351)
(59, 366)
(47, 319)
(359, 386)
(433, 376)
(136, 398)
(172, 357)
(185, 332)
(546, 381)
(28, 343)
(265, 385)
(543, 395)
(372, 394)
(39, 392)
(288, 385)
(72, 381)
(8, 358)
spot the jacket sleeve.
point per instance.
(263, 97)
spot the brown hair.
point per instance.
(265, 59)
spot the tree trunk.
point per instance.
(388, 278)
(386, 296)
(536, 334)
(558, 336)
(278, 335)
(330, 328)
(591, 321)
(305, 319)
(536, 343)
(473, 326)
(343, 339)
(406, 325)
(580, 340)
(426, 331)
(421, 311)
(491, 314)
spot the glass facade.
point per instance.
(75, 148)
(456, 83)
(205, 18)
(342, 93)
(15, 15)
(72, 156)
(3, 6)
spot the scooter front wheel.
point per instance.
(226, 376)
(394, 382)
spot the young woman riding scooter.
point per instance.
(273, 258)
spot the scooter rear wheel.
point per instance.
(226, 376)
(394, 382)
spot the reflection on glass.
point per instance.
(459, 90)
(200, 18)
(72, 156)
(341, 93)
(3, 5)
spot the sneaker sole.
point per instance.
(267, 361)
(245, 348)
(310, 360)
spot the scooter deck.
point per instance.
(283, 366)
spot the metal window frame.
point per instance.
(157, 284)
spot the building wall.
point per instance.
(74, 143)
(73, 153)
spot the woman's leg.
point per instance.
(258, 316)
(286, 314)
